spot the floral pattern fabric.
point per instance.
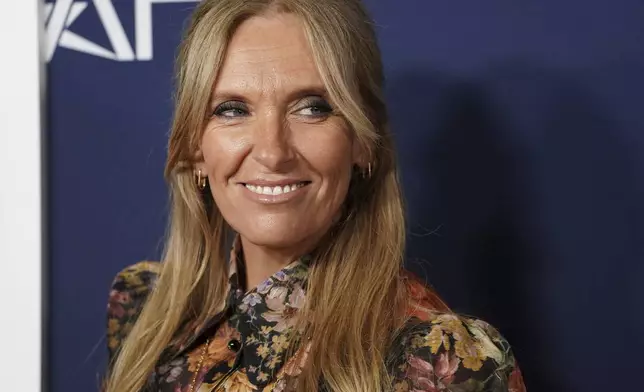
(248, 342)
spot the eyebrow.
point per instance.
(231, 95)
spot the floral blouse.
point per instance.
(438, 351)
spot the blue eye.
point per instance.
(315, 111)
(231, 109)
(315, 107)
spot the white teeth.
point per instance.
(276, 190)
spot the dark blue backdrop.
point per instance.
(521, 135)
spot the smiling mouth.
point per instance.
(276, 190)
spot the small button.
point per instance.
(234, 345)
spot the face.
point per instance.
(278, 156)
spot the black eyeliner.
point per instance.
(229, 105)
(319, 103)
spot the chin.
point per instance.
(289, 232)
(272, 237)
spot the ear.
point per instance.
(201, 166)
(199, 162)
(360, 155)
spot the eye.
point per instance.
(314, 107)
(231, 109)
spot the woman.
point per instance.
(280, 146)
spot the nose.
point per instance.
(272, 146)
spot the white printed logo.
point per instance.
(61, 14)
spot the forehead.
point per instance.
(269, 52)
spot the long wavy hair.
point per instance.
(355, 292)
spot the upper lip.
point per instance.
(272, 183)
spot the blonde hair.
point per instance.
(355, 292)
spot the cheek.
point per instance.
(330, 155)
(332, 151)
(222, 154)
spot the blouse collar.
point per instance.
(267, 309)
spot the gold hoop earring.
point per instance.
(200, 180)
(367, 173)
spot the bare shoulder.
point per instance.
(128, 293)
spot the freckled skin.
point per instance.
(270, 69)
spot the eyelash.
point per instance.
(318, 103)
(229, 106)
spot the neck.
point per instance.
(262, 262)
